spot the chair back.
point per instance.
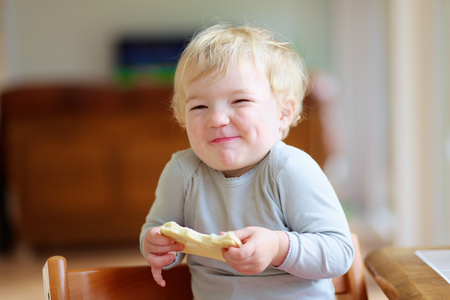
(127, 282)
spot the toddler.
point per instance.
(237, 91)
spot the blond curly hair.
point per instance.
(217, 48)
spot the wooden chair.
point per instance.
(129, 282)
(136, 282)
(352, 285)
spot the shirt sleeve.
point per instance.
(319, 236)
(169, 200)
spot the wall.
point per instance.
(444, 133)
(419, 95)
(51, 39)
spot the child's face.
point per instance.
(233, 123)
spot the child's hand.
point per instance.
(261, 247)
(159, 250)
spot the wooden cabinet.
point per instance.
(82, 161)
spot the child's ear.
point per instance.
(287, 113)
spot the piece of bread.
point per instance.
(207, 245)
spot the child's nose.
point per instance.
(218, 118)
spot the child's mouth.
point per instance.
(224, 139)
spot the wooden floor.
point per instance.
(21, 270)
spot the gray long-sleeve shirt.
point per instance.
(286, 191)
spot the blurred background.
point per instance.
(82, 73)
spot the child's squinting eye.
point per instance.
(241, 100)
(199, 107)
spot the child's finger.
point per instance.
(160, 260)
(157, 276)
(243, 234)
(239, 254)
(176, 247)
(160, 239)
